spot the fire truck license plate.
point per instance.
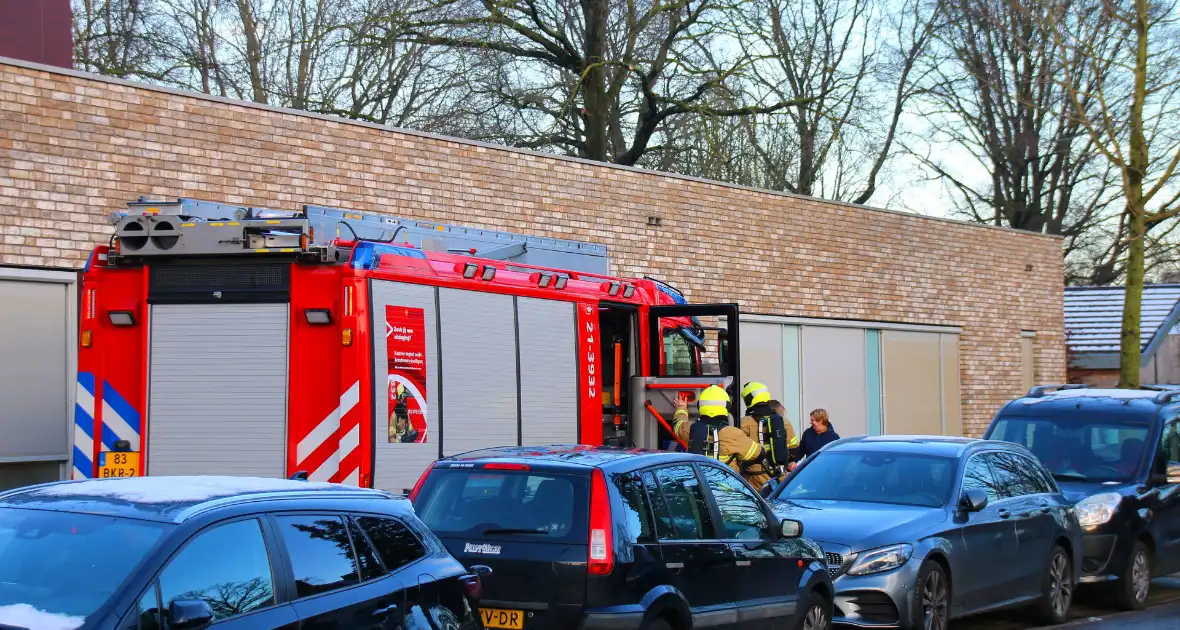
(118, 464)
(496, 618)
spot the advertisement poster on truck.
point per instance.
(405, 335)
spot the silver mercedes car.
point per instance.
(921, 530)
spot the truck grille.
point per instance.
(217, 283)
(835, 563)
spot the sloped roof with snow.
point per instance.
(1094, 316)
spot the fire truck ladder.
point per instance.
(202, 228)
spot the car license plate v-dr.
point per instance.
(118, 464)
(497, 618)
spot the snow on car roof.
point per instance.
(26, 616)
(179, 489)
(1093, 393)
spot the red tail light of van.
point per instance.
(602, 556)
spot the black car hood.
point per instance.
(860, 525)
(1075, 491)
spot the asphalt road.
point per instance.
(1163, 613)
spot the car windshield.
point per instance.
(57, 568)
(476, 503)
(1078, 450)
(874, 477)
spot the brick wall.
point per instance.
(74, 147)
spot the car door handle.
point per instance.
(742, 563)
(675, 566)
(383, 613)
(1003, 513)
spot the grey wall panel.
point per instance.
(762, 357)
(397, 466)
(952, 395)
(34, 368)
(912, 379)
(834, 377)
(479, 370)
(217, 397)
(548, 372)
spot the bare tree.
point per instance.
(1134, 124)
(994, 93)
(849, 68)
(595, 78)
(116, 38)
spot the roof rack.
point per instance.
(1041, 390)
(1166, 396)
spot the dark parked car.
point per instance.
(592, 537)
(184, 552)
(921, 530)
(1116, 453)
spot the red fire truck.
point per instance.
(218, 339)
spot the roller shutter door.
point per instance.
(548, 372)
(217, 401)
(478, 334)
(396, 465)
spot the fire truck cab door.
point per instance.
(694, 345)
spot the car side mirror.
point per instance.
(790, 528)
(189, 614)
(973, 500)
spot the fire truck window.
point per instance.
(321, 553)
(397, 545)
(226, 566)
(677, 354)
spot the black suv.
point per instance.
(594, 537)
(186, 552)
(1116, 454)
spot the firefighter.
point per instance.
(712, 435)
(765, 425)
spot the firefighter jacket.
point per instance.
(751, 426)
(733, 447)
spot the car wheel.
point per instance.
(658, 624)
(1132, 588)
(817, 615)
(932, 599)
(1056, 588)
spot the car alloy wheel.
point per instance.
(1060, 584)
(1140, 576)
(816, 618)
(934, 604)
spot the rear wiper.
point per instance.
(514, 530)
(1070, 476)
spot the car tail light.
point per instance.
(421, 480)
(602, 557)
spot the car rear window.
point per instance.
(61, 566)
(516, 504)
